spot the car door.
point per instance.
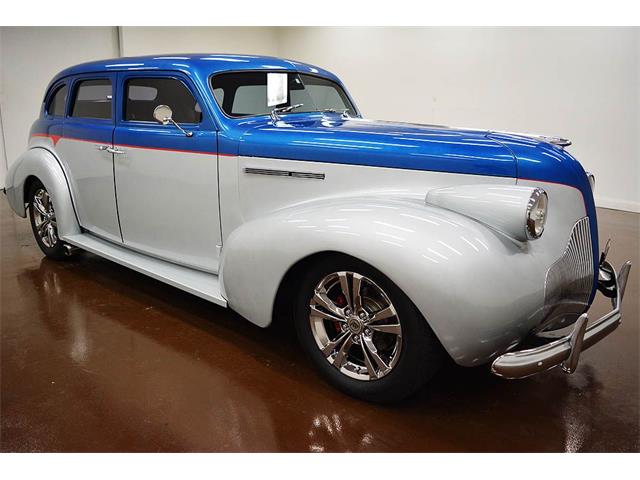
(167, 179)
(85, 150)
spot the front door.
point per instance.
(167, 181)
(85, 149)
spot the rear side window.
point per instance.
(143, 95)
(92, 99)
(57, 102)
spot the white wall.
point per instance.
(152, 40)
(582, 83)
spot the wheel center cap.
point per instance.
(355, 325)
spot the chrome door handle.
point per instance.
(102, 148)
(115, 150)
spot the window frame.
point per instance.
(74, 88)
(172, 75)
(277, 70)
(52, 92)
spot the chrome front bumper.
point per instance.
(565, 351)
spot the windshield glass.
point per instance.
(241, 94)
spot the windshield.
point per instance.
(242, 94)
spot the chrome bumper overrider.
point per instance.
(565, 351)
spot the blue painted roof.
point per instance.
(198, 64)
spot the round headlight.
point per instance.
(536, 213)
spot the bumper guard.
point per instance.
(565, 351)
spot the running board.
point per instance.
(201, 284)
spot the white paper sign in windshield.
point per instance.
(276, 89)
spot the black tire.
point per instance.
(57, 250)
(421, 353)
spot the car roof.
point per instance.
(198, 64)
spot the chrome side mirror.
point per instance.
(164, 115)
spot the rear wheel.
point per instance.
(43, 222)
(363, 333)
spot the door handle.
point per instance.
(115, 150)
(102, 148)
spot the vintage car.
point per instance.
(255, 183)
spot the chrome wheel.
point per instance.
(44, 218)
(355, 325)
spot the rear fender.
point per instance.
(41, 163)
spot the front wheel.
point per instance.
(43, 222)
(363, 333)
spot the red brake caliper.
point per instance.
(341, 301)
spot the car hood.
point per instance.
(355, 141)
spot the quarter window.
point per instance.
(143, 95)
(57, 102)
(93, 99)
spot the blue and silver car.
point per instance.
(257, 184)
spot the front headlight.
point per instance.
(536, 213)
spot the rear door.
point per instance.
(166, 181)
(85, 149)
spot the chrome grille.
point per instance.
(569, 280)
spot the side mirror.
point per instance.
(164, 115)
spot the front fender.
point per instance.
(479, 290)
(42, 164)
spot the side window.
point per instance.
(92, 99)
(57, 101)
(143, 95)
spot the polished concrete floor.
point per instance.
(95, 357)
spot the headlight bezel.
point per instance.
(538, 202)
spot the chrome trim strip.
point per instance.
(513, 365)
(284, 173)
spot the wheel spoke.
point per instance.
(387, 328)
(373, 351)
(323, 300)
(51, 234)
(341, 357)
(331, 346)
(37, 204)
(344, 284)
(326, 316)
(356, 286)
(382, 314)
(367, 362)
(41, 227)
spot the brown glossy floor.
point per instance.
(98, 358)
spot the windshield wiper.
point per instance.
(276, 111)
(343, 112)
